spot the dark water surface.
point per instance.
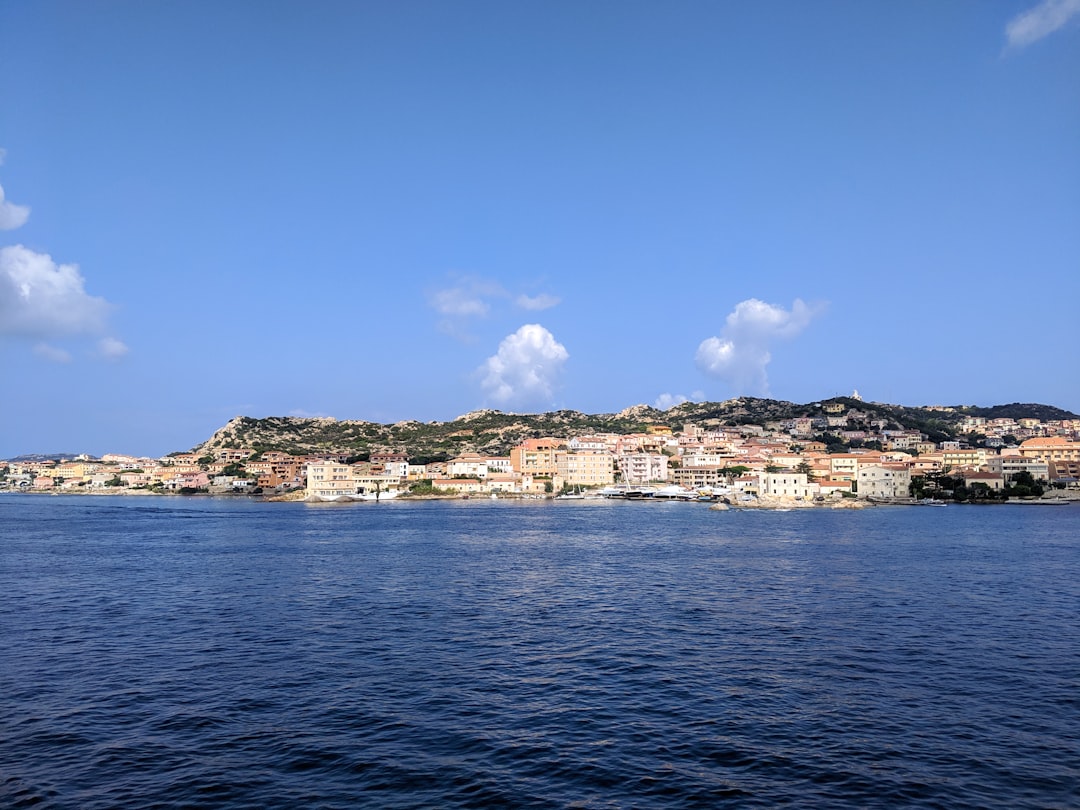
(168, 652)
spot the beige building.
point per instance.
(992, 480)
(698, 477)
(845, 466)
(536, 456)
(462, 486)
(1051, 448)
(956, 459)
(330, 479)
(586, 468)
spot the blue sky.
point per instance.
(411, 210)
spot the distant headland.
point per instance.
(743, 448)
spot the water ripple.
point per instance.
(221, 654)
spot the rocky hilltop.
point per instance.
(495, 432)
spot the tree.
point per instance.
(1023, 478)
(917, 487)
(980, 491)
(1024, 485)
(806, 469)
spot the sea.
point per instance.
(171, 652)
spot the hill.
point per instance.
(495, 432)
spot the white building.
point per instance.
(641, 468)
(1009, 466)
(470, 465)
(884, 481)
(787, 484)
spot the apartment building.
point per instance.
(1008, 466)
(964, 458)
(586, 468)
(698, 476)
(884, 481)
(641, 468)
(536, 456)
(330, 479)
(469, 465)
(1051, 449)
(845, 466)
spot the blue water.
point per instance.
(170, 652)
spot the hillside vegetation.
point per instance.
(494, 432)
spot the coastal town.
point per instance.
(840, 455)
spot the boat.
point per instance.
(627, 491)
(361, 495)
(676, 493)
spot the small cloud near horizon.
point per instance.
(112, 349)
(742, 351)
(666, 402)
(12, 216)
(54, 354)
(468, 298)
(1040, 21)
(471, 297)
(537, 303)
(525, 370)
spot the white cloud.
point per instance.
(666, 401)
(537, 302)
(468, 297)
(471, 297)
(112, 349)
(1040, 21)
(53, 354)
(741, 353)
(12, 216)
(459, 302)
(41, 299)
(526, 368)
